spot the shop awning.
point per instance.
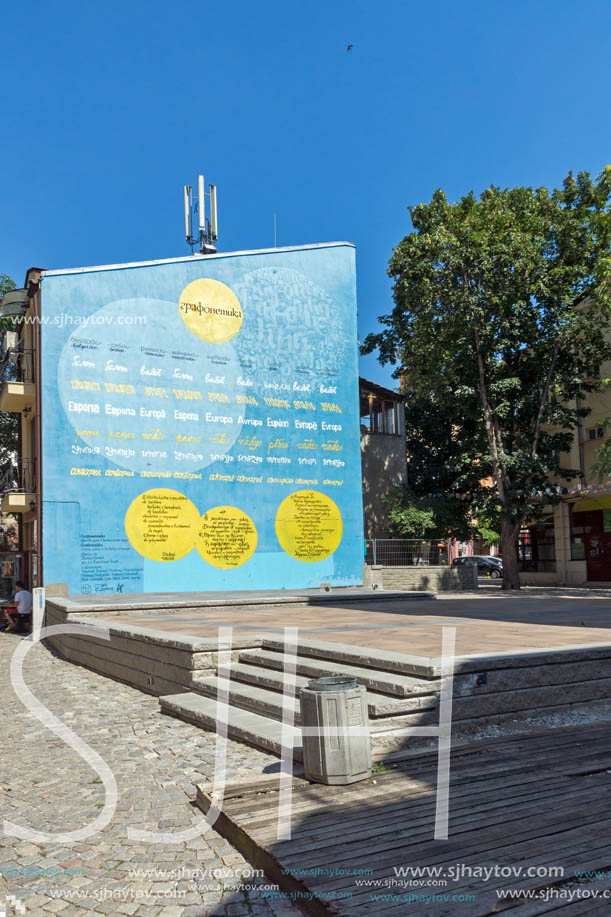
(587, 504)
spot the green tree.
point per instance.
(6, 284)
(9, 423)
(409, 516)
(502, 307)
(413, 515)
(602, 466)
(439, 475)
(487, 525)
(444, 481)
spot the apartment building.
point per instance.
(572, 544)
(20, 475)
(383, 454)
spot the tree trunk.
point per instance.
(509, 552)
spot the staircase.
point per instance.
(491, 694)
(256, 700)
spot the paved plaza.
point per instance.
(156, 761)
(486, 621)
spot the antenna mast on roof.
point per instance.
(207, 232)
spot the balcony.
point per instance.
(17, 389)
(18, 486)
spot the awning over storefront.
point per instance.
(588, 504)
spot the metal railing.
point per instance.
(18, 477)
(17, 366)
(406, 552)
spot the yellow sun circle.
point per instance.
(161, 524)
(309, 525)
(210, 310)
(227, 537)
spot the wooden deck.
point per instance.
(525, 801)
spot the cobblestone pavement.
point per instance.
(156, 761)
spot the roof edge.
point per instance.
(194, 257)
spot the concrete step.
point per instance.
(256, 688)
(251, 697)
(242, 725)
(383, 682)
(363, 656)
(265, 678)
(266, 734)
(379, 704)
(263, 732)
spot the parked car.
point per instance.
(486, 565)
(495, 560)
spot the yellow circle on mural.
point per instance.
(162, 524)
(309, 525)
(227, 537)
(210, 310)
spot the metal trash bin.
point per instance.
(335, 701)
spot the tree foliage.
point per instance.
(6, 284)
(501, 311)
(487, 525)
(409, 516)
(602, 466)
(414, 515)
(437, 470)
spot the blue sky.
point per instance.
(108, 109)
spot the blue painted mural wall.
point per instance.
(201, 424)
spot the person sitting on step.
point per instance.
(19, 618)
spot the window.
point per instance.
(379, 415)
(596, 433)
